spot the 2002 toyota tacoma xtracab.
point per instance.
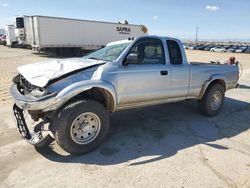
(72, 97)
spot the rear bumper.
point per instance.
(29, 102)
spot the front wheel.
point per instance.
(212, 101)
(82, 126)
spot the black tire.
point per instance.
(204, 104)
(69, 114)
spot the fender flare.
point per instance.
(73, 90)
(216, 77)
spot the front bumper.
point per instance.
(29, 102)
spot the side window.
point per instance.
(174, 52)
(149, 51)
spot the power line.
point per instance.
(196, 34)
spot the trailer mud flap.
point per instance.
(37, 139)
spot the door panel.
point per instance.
(179, 81)
(179, 70)
(142, 83)
(146, 79)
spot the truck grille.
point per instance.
(24, 86)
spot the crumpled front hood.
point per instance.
(40, 73)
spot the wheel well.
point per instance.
(98, 94)
(218, 81)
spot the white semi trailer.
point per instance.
(70, 35)
(10, 35)
(24, 30)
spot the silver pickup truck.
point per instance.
(71, 98)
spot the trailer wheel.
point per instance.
(212, 101)
(82, 126)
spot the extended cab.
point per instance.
(73, 97)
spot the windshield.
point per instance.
(108, 53)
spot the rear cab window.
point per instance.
(174, 51)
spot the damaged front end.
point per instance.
(41, 89)
(32, 99)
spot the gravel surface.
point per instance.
(169, 145)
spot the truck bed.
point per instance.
(203, 63)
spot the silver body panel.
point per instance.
(136, 85)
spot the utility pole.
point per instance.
(196, 35)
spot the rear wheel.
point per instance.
(212, 101)
(82, 126)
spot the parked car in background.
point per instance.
(204, 46)
(191, 47)
(232, 49)
(208, 47)
(247, 50)
(200, 47)
(197, 46)
(227, 46)
(218, 49)
(2, 39)
(242, 49)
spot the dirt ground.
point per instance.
(168, 145)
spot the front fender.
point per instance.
(213, 78)
(74, 89)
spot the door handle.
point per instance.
(164, 72)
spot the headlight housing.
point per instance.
(25, 87)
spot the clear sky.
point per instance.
(216, 19)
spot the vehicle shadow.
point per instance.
(244, 86)
(140, 136)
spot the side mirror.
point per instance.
(131, 59)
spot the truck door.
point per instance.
(180, 70)
(147, 80)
